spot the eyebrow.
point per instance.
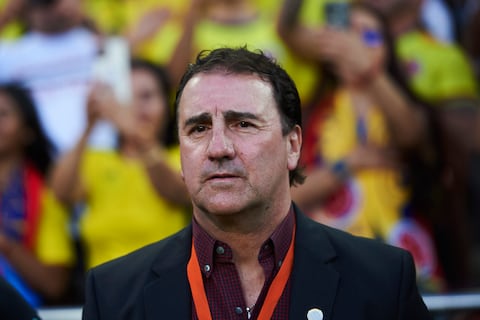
(236, 115)
(201, 118)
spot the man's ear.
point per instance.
(294, 146)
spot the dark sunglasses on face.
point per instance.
(372, 38)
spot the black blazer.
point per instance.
(346, 277)
(12, 304)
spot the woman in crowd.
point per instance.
(211, 24)
(35, 249)
(134, 195)
(373, 151)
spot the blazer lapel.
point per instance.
(168, 296)
(314, 280)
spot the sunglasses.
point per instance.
(372, 38)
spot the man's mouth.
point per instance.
(221, 176)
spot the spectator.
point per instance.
(151, 27)
(134, 195)
(369, 143)
(35, 249)
(470, 39)
(461, 115)
(475, 196)
(59, 71)
(10, 10)
(438, 20)
(436, 71)
(114, 18)
(463, 12)
(211, 24)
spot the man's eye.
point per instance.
(244, 124)
(198, 129)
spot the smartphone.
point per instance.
(337, 14)
(112, 67)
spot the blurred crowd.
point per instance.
(89, 161)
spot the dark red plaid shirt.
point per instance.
(221, 280)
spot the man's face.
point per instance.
(234, 156)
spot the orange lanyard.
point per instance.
(273, 295)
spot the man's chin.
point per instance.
(223, 199)
(223, 209)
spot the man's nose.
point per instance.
(220, 146)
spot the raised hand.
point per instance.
(149, 25)
(352, 60)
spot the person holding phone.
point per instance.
(36, 253)
(134, 195)
(373, 149)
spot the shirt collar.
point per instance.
(206, 245)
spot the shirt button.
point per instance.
(206, 268)
(238, 310)
(220, 250)
(280, 263)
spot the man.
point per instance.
(249, 253)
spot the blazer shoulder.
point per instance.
(369, 248)
(383, 274)
(115, 289)
(137, 263)
(370, 257)
(344, 243)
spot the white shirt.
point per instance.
(58, 71)
(438, 20)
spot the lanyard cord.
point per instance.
(273, 295)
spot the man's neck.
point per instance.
(243, 232)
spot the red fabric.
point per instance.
(313, 127)
(33, 190)
(222, 284)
